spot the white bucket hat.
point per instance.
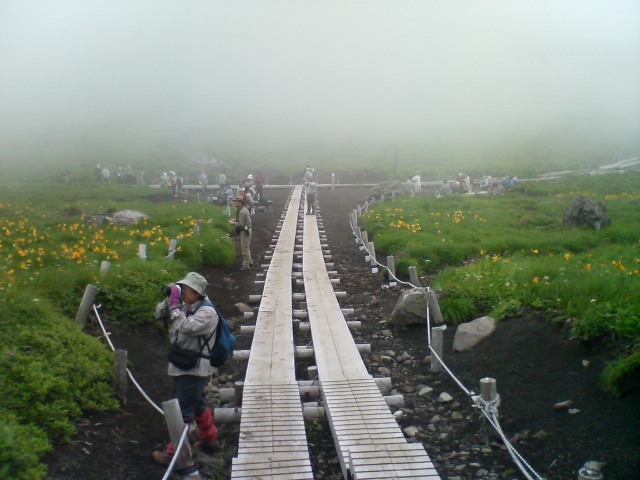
(195, 281)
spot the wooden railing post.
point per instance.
(413, 276)
(173, 244)
(173, 417)
(436, 345)
(104, 268)
(85, 304)
(391, 266)
(120, 377)
(372, 253)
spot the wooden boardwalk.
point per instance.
(273, 443)
(369, 442)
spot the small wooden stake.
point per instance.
(120, 377)
(85, 304)
(413, 276)
(173, 417)
(436, 344)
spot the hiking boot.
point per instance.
(207, 446)
(163, 458)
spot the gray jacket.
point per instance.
(185, 328)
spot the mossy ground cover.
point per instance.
(51, 371)
(505, 254)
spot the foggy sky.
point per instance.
(276, 73)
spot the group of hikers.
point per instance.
(126, 174)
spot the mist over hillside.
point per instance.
(416, 84)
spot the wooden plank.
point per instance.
(272, 440)
(358, 414)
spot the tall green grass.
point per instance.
(505, 255)
(51, 372)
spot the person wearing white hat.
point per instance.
(192, 320)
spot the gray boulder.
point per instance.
(410, 308)
(586, 212)
(128, 217)
(468, 335)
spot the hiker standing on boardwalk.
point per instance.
(243, 229)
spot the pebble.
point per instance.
(410, 431)
(425, 391)
(445, 397)
(457, 416)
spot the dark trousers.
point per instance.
(311, 198)
(190, 391)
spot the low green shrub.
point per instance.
(622, 375)
(21, 446)
(50, 372)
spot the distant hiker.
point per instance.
(259, 186)
(247, 196)
(312, 189)
(191, 316)
(309, 173)
(204, 180)
(417, 183)
(242, 225)
(408, 186)
(229, 196)
(173, 178)
(468, 182)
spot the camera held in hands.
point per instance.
(165, 290)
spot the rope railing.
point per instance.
(145, 396)
(487, 408)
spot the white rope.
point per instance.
(171, 252)
(129, 374)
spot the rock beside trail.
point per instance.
(128, 217)
(123, 217)
(411, 307)
(468, 335)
